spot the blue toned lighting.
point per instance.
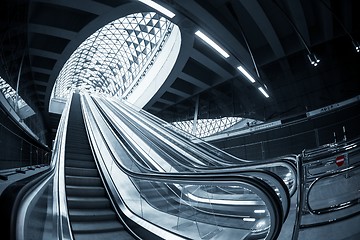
(263, 92)
(246, 74)
(313, 59)
(158, 7)
(356, 45)
(212, 43)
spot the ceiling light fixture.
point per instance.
(241, 69)
(263, 92)
(354, 42)
(246, 74)
(158, 7)
(356, 45)
(212, 44)
(313, 59)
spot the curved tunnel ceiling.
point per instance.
(50, 31)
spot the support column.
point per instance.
(17, 84)
(195, 115)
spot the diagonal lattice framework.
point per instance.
(115, 56)
(11, 95)
(207, 127)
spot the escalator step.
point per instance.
(105, 235)
(86, 172)
(88, 203)
(74, 139)
(79, 144)
(93, 215)
(82, 191)
(96, 226)
(83, 181)
(90, 210)
(78, 147)
(79, 156)
(80, 164)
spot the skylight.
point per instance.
(115, 57)
(14, 100)
(207, 127)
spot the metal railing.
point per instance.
(328, 185)
(190, 205)
(46, 203)
(19, 155)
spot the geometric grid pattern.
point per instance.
(207, 127)
(11, 95)
(115, 56)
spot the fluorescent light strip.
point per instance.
(212, 44)
(158, 7)
(263, 92)
(249, 219)
(247, 75)
(259, 211)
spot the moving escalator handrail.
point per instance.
(247, 169)
(121, 130)
(59, 179)
(334, 207)
(288, 161)
(268, 176)
(209, 148)
(262, 174)
(257, 184)
(34, 190)
(11, 201)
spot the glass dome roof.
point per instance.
(115, 56)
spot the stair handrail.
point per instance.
(258, 186)
(60, 218)
(246, 169)
(288, 161)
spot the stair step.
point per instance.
(86, 172)
(90, 210)
(78, 147)
(88, 203)
(96, 227)
(121, 234)
(73, 139)
(92, 215)
(83, 181)
(82, 191)
(80, 164)
(77, 127)
(79, 156)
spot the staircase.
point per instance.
(91, 213)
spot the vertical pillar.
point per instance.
(17, 84)
(317, 137)
(262, 150)
(195, 115)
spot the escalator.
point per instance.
(185, 155)
(91, 195)
(91, 213)
(216, 204)
(176, 158)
